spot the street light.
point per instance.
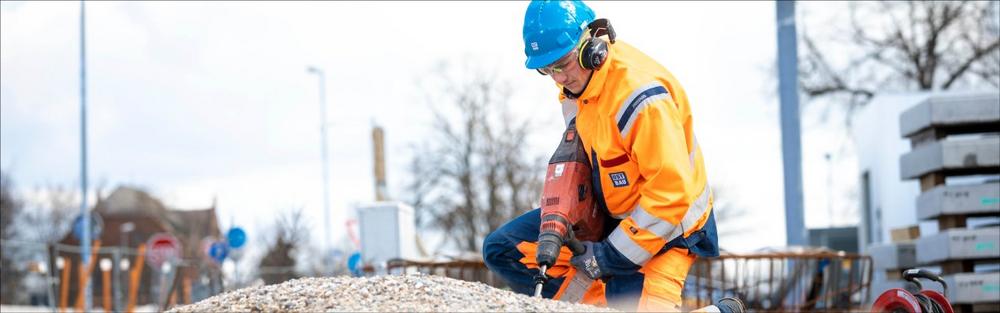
(124, 231)
(326, 175)
(123, 266)
(85, 238)
(829, 187)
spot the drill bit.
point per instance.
(540, 280)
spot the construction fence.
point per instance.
(766, 282)
(52, 275)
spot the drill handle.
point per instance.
(575, 245)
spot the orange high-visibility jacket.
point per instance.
(635, 122)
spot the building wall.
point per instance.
(879, 145)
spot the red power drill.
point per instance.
(568, 209)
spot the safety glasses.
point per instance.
(559, 65)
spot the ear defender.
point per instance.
(593, 50)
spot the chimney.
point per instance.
(378, 138)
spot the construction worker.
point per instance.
(648, 171)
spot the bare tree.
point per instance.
(53, 211)
(903, 45)
(423, 182)
(10, 274)
(10, 207)
(289, 233)
(473, 174)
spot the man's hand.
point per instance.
(587, 262)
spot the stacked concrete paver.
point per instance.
(955, 136)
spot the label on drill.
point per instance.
(618, 179)
(559, 170)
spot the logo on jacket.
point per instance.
(618, 179)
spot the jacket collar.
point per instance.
(596, 83)
(594, 86)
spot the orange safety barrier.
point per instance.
(106, 292)
(135, 275)
(85, 276)
(64, 283)
(187, 290)
(172, 301)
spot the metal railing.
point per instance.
(783, 282)
(766, 282)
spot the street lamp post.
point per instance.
(124, 230)
(326, 174)
(791, 140)
(85, 238)
(829, 187)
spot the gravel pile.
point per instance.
(392, 293)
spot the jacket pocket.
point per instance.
(703, 242)
(618, 172)
(616, 161)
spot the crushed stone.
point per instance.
(390, 293)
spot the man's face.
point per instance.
(567, 73)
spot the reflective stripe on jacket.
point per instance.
(635, 122)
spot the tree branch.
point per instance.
(976, 56)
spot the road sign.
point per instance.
(354, 264)
(213, 250)
(162, 248)
(217, 251)
(236, 237)
(96, 226)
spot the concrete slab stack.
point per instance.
(890, 260)
(954, 136)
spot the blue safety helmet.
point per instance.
(552, 29)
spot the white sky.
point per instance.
(200, 100)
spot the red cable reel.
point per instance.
(898, 300)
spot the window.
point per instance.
(869, 220)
